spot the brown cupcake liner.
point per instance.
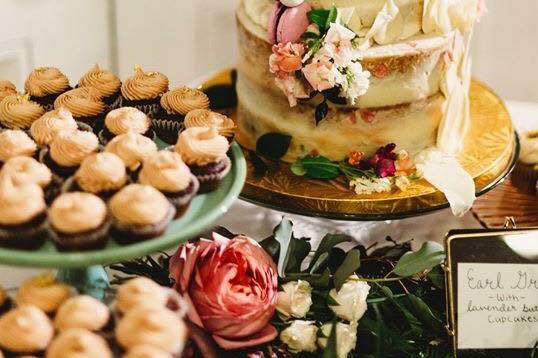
(70, 185)
(38, 354)
(47, 102)
(6, 306)
(60, 171)
(112, 102)
(168, 130)
(95, 122)
(95, 239)
(106, 136)
(182, 200)
(151, 107)
(84, 127)
(126, 234)
(525, 178)
(210, 182)
(28, 236)
(54, 189)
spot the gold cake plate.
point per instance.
(489, 154)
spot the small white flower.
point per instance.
(402, 183)
(295, 299)
(351, 299)
(363, 185)
(357, 84)
(346, 337)
(300, 336)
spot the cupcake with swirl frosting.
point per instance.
(68, 150)
(106, 82)
(23, 223)
(206, 118)
(138, 292)
(143, 90)
(124, 120)
(47, 127)
(45, 84)
(525, 175)
(204, 151)
(166, 172)
(7, 89)
(79, 222)
(44, 292)
(83, 312)
(19, 112)
(86, 106)
(139, 212)
(25, 331)
(78, 342)
(15, 143)
(133, 149)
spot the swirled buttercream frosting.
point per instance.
(101, 172)
(106, 82)
(79, 343)
(82, 102)
(182, 100)
(18, 112)
(20, 202)
(83, 312)
(166, 171)
(529, 148)
(138, 292)
(146, 351)
(125, 119)
(206, 118)
(44, 292)
(27, 170)
(47, 127)
(7, 89)
(201, 146)
(132, 148)
(69, 148)
(139, 204)
(15, 143)
(144, 85)
(77, 212)
(26, 329)
(154, 326)
(46, 80)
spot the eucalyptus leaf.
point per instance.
(321, 263)
(327, 243)
(283, 235)
(351, 263)
(299, 250)
(322, 110)
(336, 257)
(430, 255)
(425, 315)
(330, 350)
(271, 246)
(273, 145)
(410, 318)
(316, 168)
(437, 277)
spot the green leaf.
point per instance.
(273, 145)
(319, 17)
(327, 243)
(425, 314)
(437, 277)
(351, 264)
(271, 246)
(430, 255)
(330, 350)
(298, 169)
(331, 18)
(413, 322)
(283, 234)
(321, 263)
(316, 168)
(299, 250)
(336, 257)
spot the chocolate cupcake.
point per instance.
(107, 83)
(15, 143)
(86, 106)
(43, 292)
(147, 351)
(204, 151)
(47, 127)
(68, 150)
(140, 212)
(175, 105)
(79, 222)
(143, 90)
(124, 120)
(45, 84)
(166, 172)
(7, 89)
(22, 214)
(525, 176)
(133, 149)
(18, 112)
(5, 301)
(83, 312)
(206, 118)
(25, 331)
(78, 342)
(138, 292)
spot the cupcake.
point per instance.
(143, 90)
(26, 330)
(140, 212)
(153, 326)
(68, 150)
(78, 342)
(147, 351)
(79, 222)
(166, 172)
(138, 292)
(86, 106)
(18, 112)
(7, 89)
(204, 151)
(16, 143)
(22, 214)
(43, 292)
(206, 118)
(83, 312)
(133, 149)
(45, 84)
(174, 107)
(525, 176)
(47, 127)
(107, 83)
(5, 301)
(102, 174)
(124, 120)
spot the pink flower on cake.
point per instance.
(337, 45)
(293, 88)
(231, 288)
(286, 58)
(322, 74)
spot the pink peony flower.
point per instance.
(286, 58)
(293, 88)
(337, 45)
(231, 288)
(322, 74)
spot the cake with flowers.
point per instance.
(357, 81)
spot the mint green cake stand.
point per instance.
(84, 270)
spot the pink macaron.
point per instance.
(288, 24)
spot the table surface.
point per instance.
(258, 222)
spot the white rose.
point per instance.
(346, 337)
(300, 336)
(351, 299)
(295, 299)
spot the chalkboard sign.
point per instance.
(492, 292)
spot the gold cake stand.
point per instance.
(489, 154)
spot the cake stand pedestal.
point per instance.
(91, 281)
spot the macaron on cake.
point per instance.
(288, 21)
